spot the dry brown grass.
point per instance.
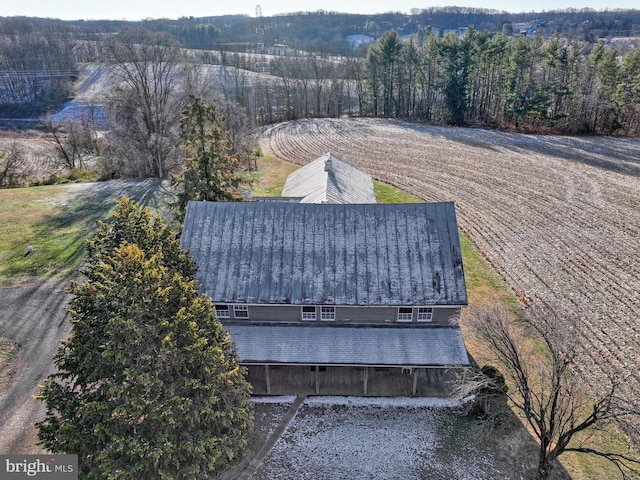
(8, 348)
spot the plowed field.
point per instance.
(557, 217)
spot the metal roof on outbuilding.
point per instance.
(276, 199)
(330, 179)
(331, 254)
(341, 345)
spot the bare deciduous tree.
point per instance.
(149, 94)
(73, 139)
(36, 60)
(13, 168)
(537, 357)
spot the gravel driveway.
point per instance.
(35, 317)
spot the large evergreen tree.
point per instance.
(148, 385)
(382, 68)
(455, 54)
(210, 165)
(627, 94)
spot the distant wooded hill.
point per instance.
(328, 32)
(572, 71)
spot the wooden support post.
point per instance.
(415, 382)
(317, 382)
(366, 380)
(268, 377)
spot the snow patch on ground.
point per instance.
(414, 402)
(274, 399)
(393, 439)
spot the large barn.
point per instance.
(349, 299)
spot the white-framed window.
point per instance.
(222, 311)
(308, 313)
(328, 313)
(405, 314)
(241, 311)
(425, 314)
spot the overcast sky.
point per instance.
(139, 9)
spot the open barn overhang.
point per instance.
(355, 346)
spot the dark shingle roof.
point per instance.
(341, 254)
(340, 345)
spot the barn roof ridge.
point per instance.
(330, 179)
(327, 254)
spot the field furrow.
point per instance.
(557, 217)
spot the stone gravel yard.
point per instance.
(340, 438)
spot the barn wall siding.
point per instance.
(355, 315)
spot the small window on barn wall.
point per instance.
(308, 313)
(425, 314)
(328, 313)
(405, 314)
(240, 311)
(222, 311)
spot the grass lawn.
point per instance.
(37, 217)
(54, 222)
(272, 173)
(483, 283)
(386, 193)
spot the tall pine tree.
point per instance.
(211, 168)
(148, 385)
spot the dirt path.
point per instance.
(35, 317)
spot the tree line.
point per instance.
(524, 84)
(36, 62)
(480, 78)
(527, 84)
(327, 30)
